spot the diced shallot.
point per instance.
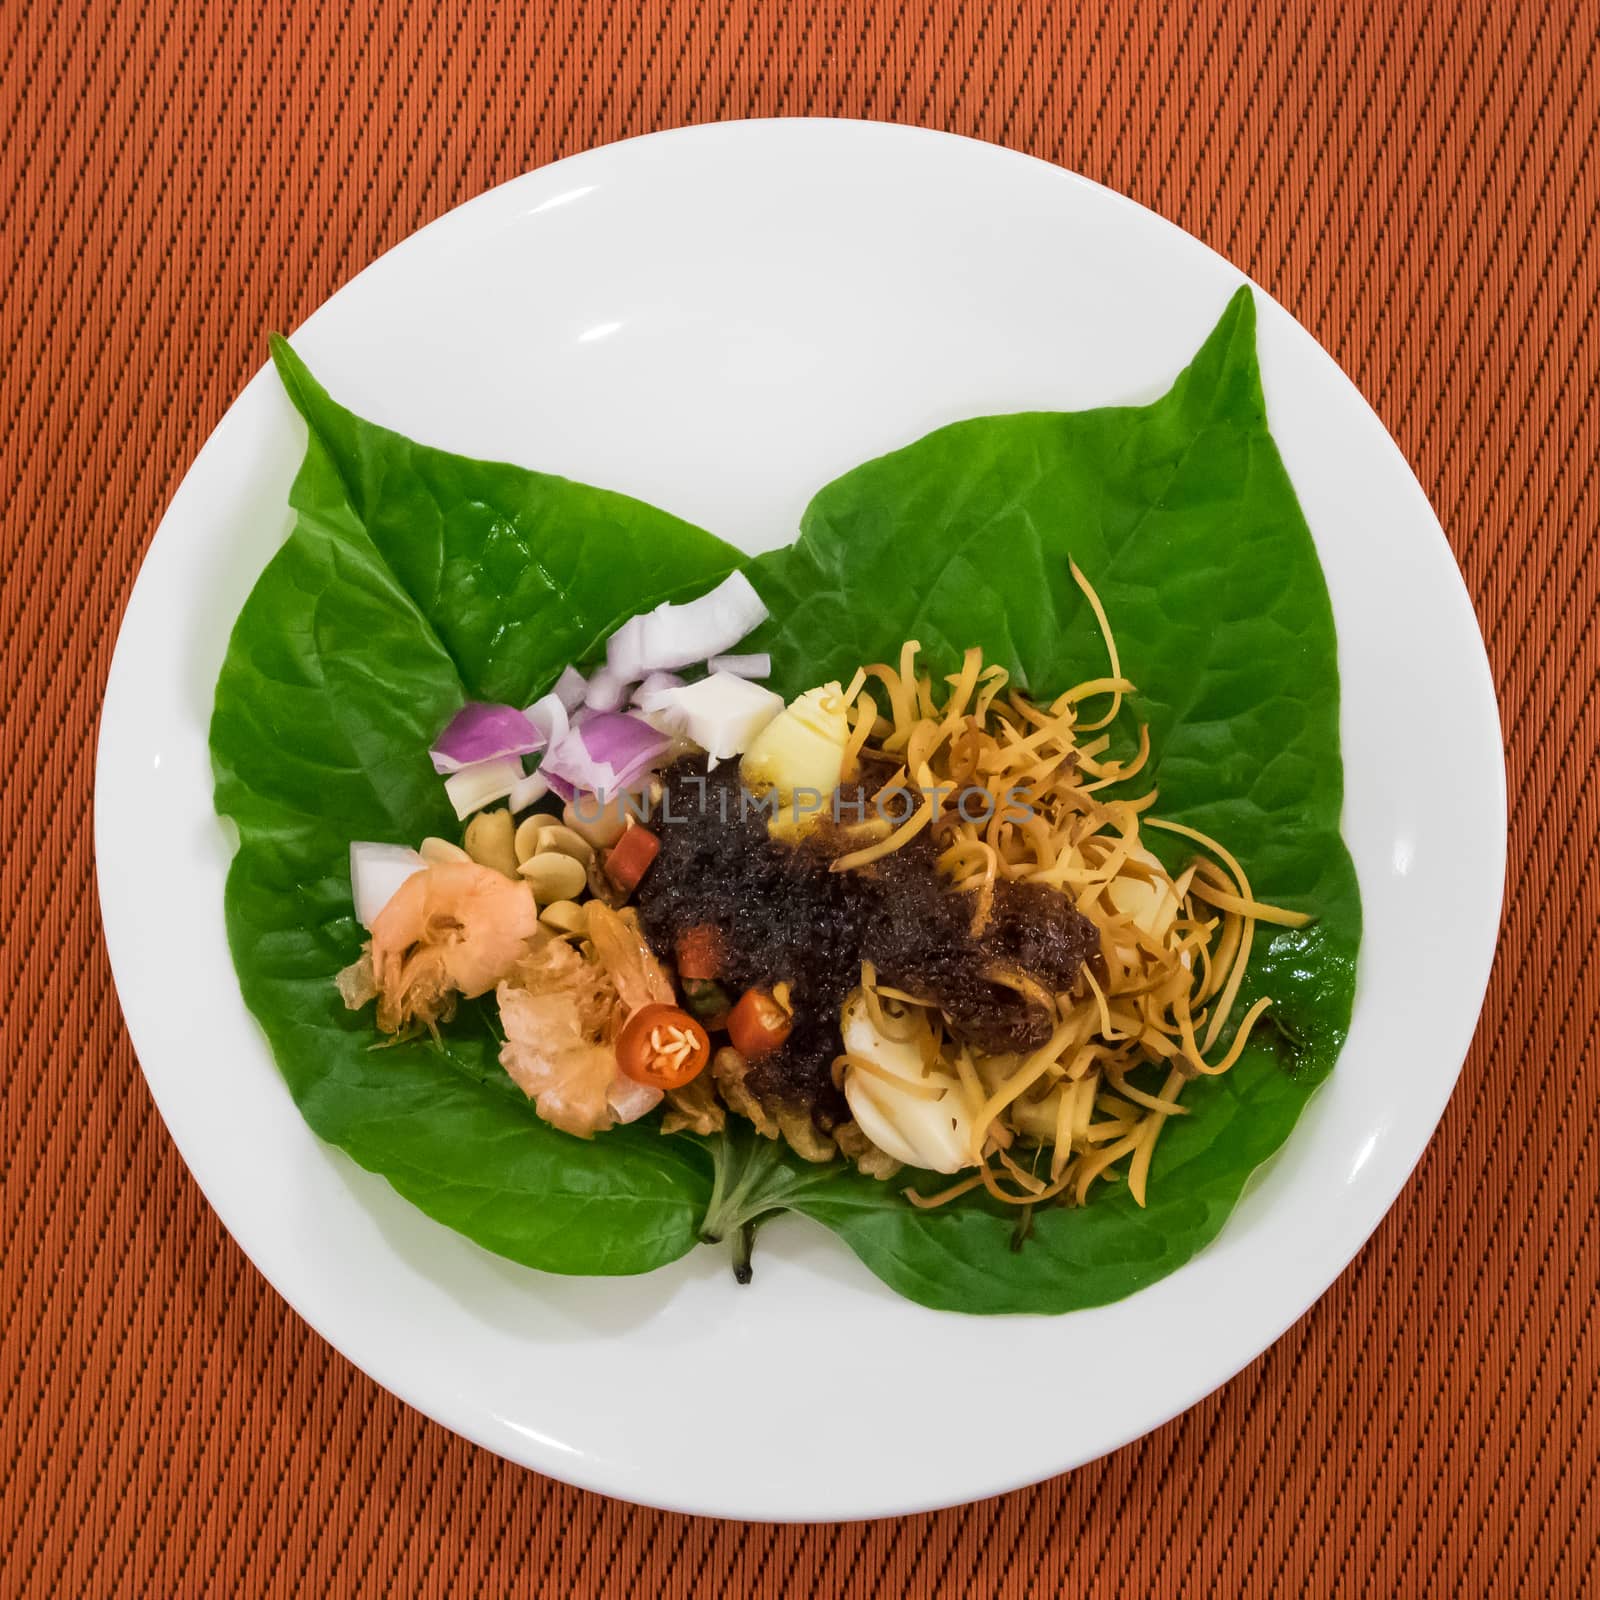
(678, 635)
(758, 665)
(568, 767)
(550, 715)
(474, 787)
(628, 1101)
(628, 745)
(607, 690)
(570, 688)
(376, 871)
(529, 791)
(479, 732)
(607, 752)
(644, 696)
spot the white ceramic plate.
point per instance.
(719, 320)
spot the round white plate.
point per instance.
(719, 320)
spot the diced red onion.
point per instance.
(570, 688)
(549, 715)
(530, 791)
(479, 732)
(758, 665)
(679, 635)
(628, 745)
(568, 766)
(625, 650)
(474, 787)
(376, 871)
(606, 691)
(608, 752)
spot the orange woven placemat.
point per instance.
(1418, 185)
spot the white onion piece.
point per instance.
(529, 791)
(629, 1100)
(722, 713)
(549, 714)
(654, 684)
(758, 665)
(474, 787)
(376, 871)
(625, 650)
(664, 722)
(570, 688)
(650, 703)
(677, 636)
(607, 690)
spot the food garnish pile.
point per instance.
(915, 924)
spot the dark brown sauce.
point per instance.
(784, 917)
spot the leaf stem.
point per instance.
(752, 1179)
(742, 1270)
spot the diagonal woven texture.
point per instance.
(1419, 185)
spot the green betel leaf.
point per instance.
(1181, 515)
(414, 579)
